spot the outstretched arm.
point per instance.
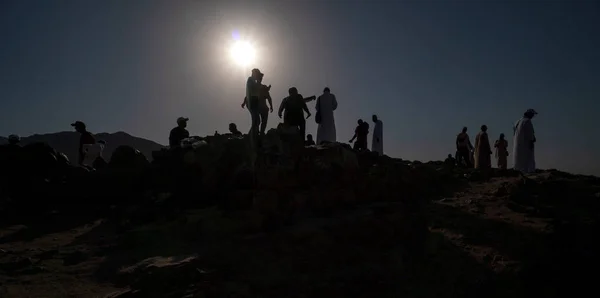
(305, 108)
(310, 98)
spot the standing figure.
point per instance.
(294, 106)
(263, 110)
(326, 104)
(179, 133)
(360, 135)
(86, 139)
(377, 144)
(463, 148)
(501, 146)
(483, 151)
(253, 90)
(523, 143)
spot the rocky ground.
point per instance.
(496, 237)
(301, 222)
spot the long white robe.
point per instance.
(377, 143)
(326, 104)
(523, 151)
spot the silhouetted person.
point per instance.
(14, 140)
(253, 91)
(524, 143)
(86, 138)
(293, 108)
(501, 146)
(234, 130)
(360, 134)
(483, 150)
(463, 148)
(326, 104)
(377, 144)
(179, 133)
(309, 140)
(264, 96)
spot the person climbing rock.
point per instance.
(360, 135)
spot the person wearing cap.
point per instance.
(179, 133)
(294, 107)
(86, 138)
(523, 143)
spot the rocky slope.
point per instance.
(67, 142)
(318, 222)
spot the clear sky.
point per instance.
(427, 68)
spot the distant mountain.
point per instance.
(67, 142)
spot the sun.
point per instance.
(242, 53)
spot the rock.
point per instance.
(75, 258)
(128, 157)
(16, 264)
(161, 275)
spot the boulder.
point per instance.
(128, 157)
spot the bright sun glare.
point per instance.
(242, 53)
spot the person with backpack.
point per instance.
(463, 148)
(292, 109)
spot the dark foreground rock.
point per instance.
(221, 220)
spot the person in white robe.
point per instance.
(523, 143)
(326, 104)
(377, 143)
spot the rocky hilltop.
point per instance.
(67, 142)
(214, 220)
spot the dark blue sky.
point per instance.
(427, 68)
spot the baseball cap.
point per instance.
(78, 124)
(182, 119)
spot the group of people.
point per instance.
(479, 155)
(294, 107)
(294, 111)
